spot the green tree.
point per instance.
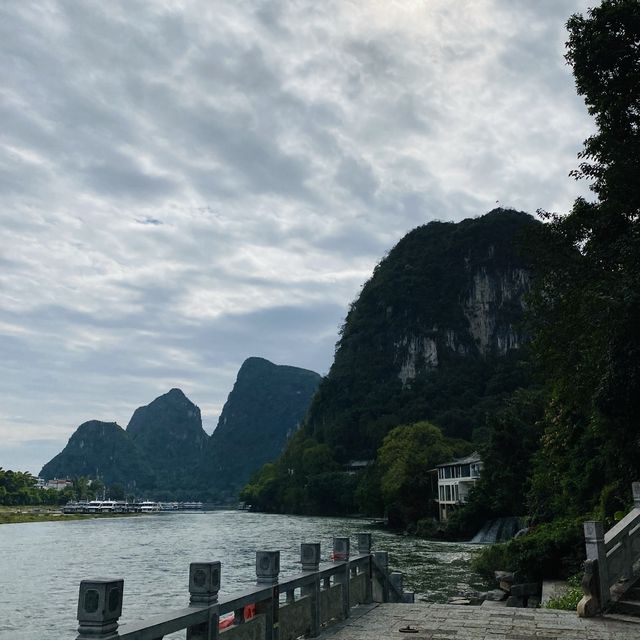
(587, 308)
(406, 458)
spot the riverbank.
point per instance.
(27, 513)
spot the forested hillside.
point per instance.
(436, 335)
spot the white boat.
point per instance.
(169, 506)
(149, 507)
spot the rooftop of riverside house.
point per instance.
(472, 457)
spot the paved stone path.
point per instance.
(450, 622)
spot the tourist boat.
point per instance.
(149, 507)
(169, 506)
(192, 505)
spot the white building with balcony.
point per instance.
(455, 480)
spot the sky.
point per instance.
(188, 183)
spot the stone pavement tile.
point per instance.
(442, 622)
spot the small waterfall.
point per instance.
(498, 530)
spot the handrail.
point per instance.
(611, 557)
(327, 592)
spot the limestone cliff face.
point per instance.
(492, 305)
(490, 293)
(431, 335)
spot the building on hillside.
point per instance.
(41, 483)
(59, 484)
(455, 479)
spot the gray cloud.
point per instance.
(184, 186)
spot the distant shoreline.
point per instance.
(17, 515)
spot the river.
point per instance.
(41, 564)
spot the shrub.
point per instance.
(551, 550)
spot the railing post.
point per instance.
(310, 560)
(382, 561)
(589, 605)
(267, 571)
(364, 548)
(99, 608)
(596, 550)
(204, 585)
(396, 578)
(341, 549)
(635, 488)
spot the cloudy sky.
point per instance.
(184, 184)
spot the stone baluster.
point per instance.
(635, 488)
(396, 578)
(381, 592)
(364, 548)
(596, 550)
(310, 560)
(267, 571)
(341, 549)
(99, 608)
(204, 585)
(589, 605)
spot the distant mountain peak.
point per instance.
(265, 407)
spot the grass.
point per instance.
(568, 601)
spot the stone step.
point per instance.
(632, 594)
(627, 607)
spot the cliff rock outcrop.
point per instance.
(435, 334)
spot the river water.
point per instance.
(41, 564)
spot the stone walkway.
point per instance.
(450, 622)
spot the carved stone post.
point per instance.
(310, 560)
(364, 548)
(204, 585)
(99, 608)
(364, 543)
(589, 605)
(381, 593)
(635, 488)
(267, 571)
(341, 550)
(596, 550)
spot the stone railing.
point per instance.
(284, 609)
(611, 556)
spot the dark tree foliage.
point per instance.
(587, 309)
(406, 459)
(513, 440)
